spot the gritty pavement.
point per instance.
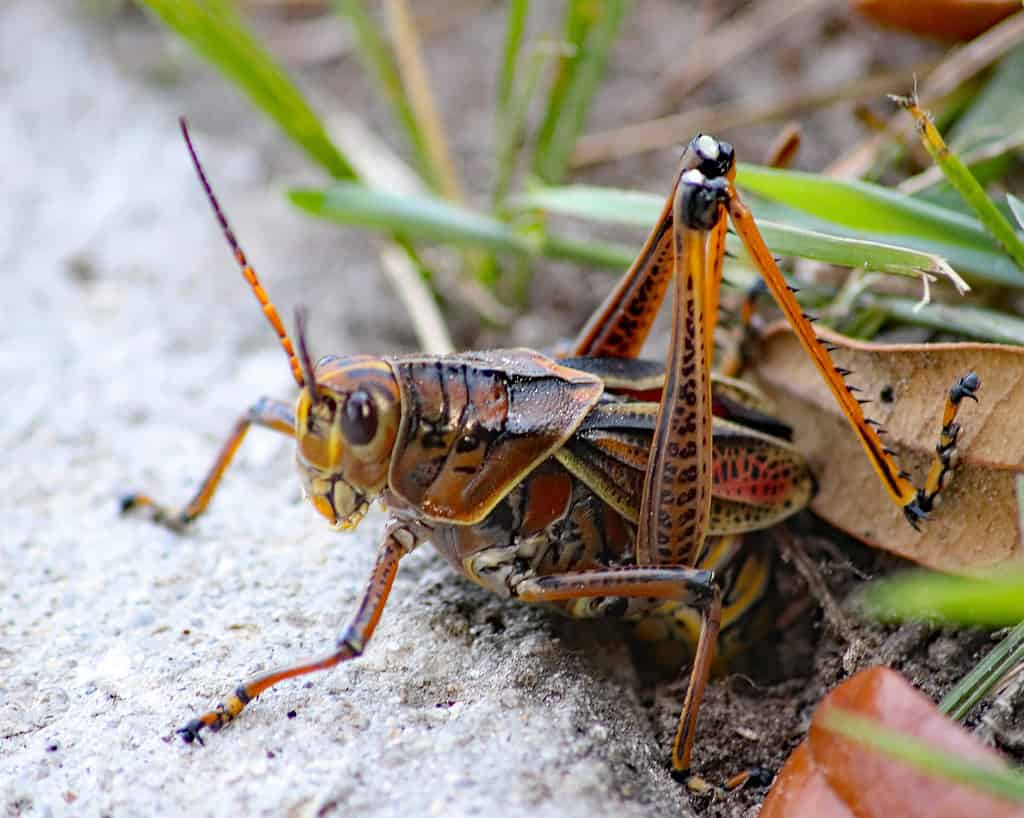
(129, 346)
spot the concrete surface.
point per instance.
(128, 345)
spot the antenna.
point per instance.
(269, 309)
(305, 359)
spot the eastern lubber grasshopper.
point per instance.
(600, 483)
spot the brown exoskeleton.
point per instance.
(600, 483)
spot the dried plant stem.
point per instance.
(415, 78)
(963, 181)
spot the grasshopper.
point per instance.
(602, 484)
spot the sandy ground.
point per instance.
(129, 346)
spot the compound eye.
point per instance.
(359, 422)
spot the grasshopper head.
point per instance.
(346, 420)
(348, 410)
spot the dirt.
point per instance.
(137, 351)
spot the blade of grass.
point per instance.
(430, 219)
(997, 779)
(861, 205)
(966, 185)
(590, 252)
(601, 204)
(872, 212)
(216, 32)
(972, 322)
(976, 685)
(512, 126)
(577, 23)
(995, 601)
(1016, 207)
(591, 28)
(415, 217)
(642, 209)
(515, 24)
(995, 113)
(379, 62)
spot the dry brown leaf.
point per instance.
(943, 19)
(974, 525)
(829, 776)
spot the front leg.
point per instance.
(398, 542)
(266, 412)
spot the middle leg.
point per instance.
(692, 587)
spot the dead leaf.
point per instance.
(830, 776)
(974, 525)
(943, 19)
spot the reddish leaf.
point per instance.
(942, 19)
(830, 776)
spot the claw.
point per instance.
(965, 388)
(759, 777)
(190, 732)
(917, 510)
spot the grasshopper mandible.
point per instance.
(601, 483)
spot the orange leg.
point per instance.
(946, 447)
(675, 506)
(266, 412)
(398, 542)
(676, 501)
(894, 480)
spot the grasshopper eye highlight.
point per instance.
(359, 421)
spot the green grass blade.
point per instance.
(600, 204)
(996, 779)
(577, 24)
(862, 206)
(978, 262)
(512, 127)
(378, 60)
(976, 685)
(996, 601)
(971, 322)
(642, 209)
(995, 113)
(1016, 207)
(963, 181)
(429, 219)
(414, 217)
(215, 31)
(591, 29)
(515, 24)
(609, 255)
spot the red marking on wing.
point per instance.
(752, 479)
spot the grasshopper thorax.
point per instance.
(346, 420)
